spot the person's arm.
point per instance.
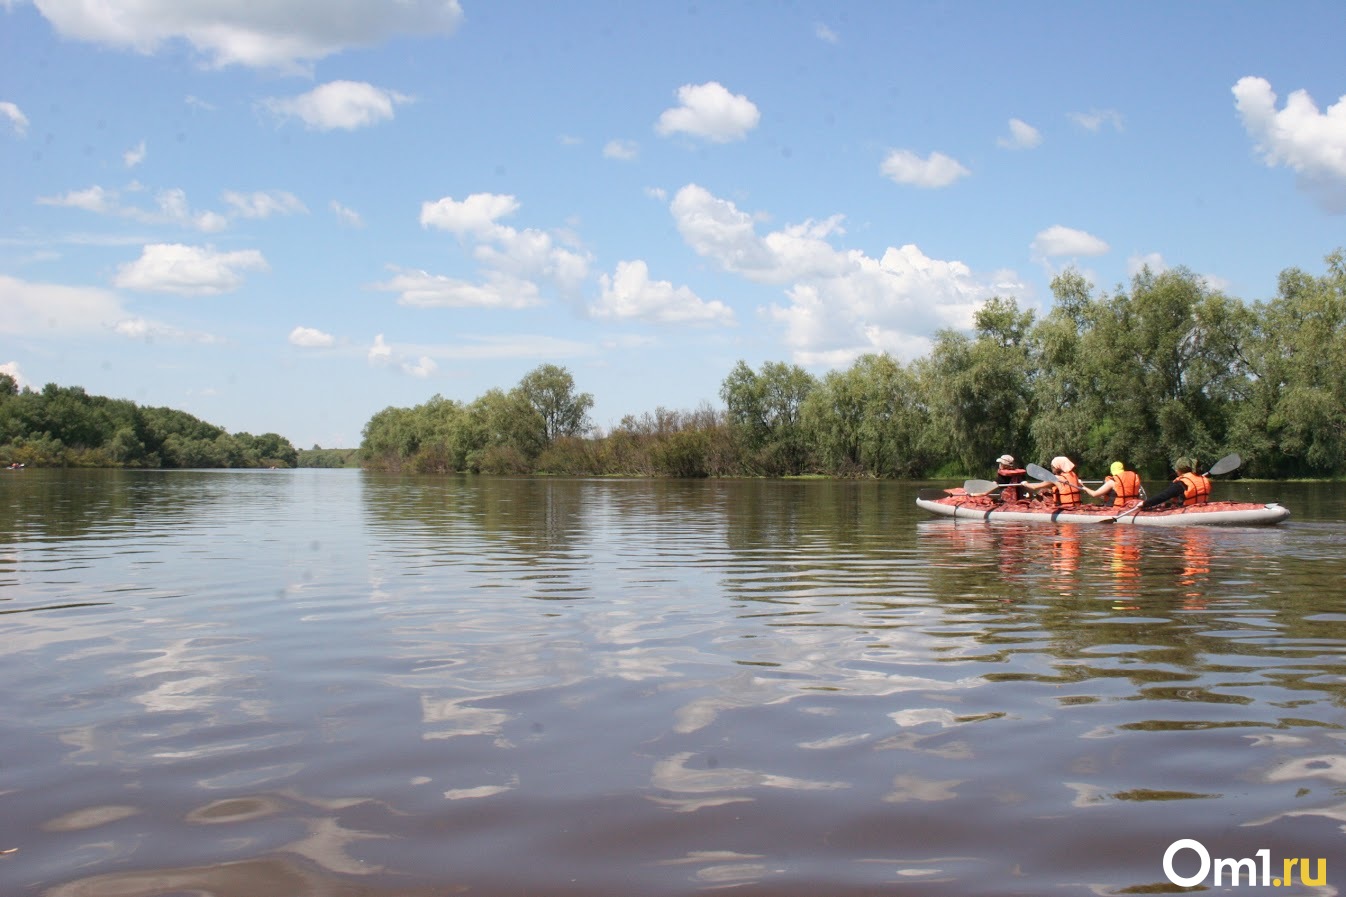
(1171, 491)
(1101, 490)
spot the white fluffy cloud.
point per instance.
(284, 34)
(514, 261)
(263, 204)
(344, 105)
(172, 207)
(1058, 241)
(157, 331)
(629, 294)
(346, 216)
(1140, 261)
(14, 115)
(1022, 135)
(842, 303)
(59, 311)
(382, 354)
(92, 199)
(311, 338)
(38, 309)
(936, 170)
(1300, 137)
(135, 155)
(623, 150)
(711, 112)
(12, 368)
(1095, 119)
(188, 270)
(475, 216)
(420, 289)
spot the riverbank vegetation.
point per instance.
(1166, 367)
(63, 426)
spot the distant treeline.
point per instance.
(321, 457)
(66, 427)
(1165, 368)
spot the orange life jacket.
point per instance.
(1196, 488)
(1126, 487)
(1068, 490)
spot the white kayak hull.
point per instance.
(1216, 514)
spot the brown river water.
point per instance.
(310, 683)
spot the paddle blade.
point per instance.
(1042, 473)
(976, 487)
(932, 494)
(1224, 465)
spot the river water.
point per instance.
(303, 683)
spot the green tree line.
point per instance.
(1166, 366)
(63, 426)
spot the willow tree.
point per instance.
(981, 387)
(764, 412)
(1295, 409)
(867, 419)
(550, 390)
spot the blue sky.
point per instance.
(287, 216)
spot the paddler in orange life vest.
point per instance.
(1122, 483)
(1067, 491)
(1187, 489)
(1009, 474)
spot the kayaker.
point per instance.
(1187, 489)
(1009, 474)
(1067, 491)
(1122, 483)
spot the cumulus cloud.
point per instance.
(311, 338)
(344, 105)
(37, 309)
(420, 289)
(474, 216)
(14, 115)
(135, 155)
(1095, 119)
(156, 331)
(263, 204)
(936, 170)
(422, 367)
(514, 260)
(1022, 135)
(711, 112)
(12, 369)
(284, 34)
(629, 294)
(59, 311)
(1310, 143)
(188, 270)
(624, 150)
(841, 303)
(348, 217)
(1058, 241)
(1140, 261)
(92, 199)
(171, 206)
(825, 34)
(381, 354)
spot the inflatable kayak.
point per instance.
(1216, 513)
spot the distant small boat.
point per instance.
(958, 504)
